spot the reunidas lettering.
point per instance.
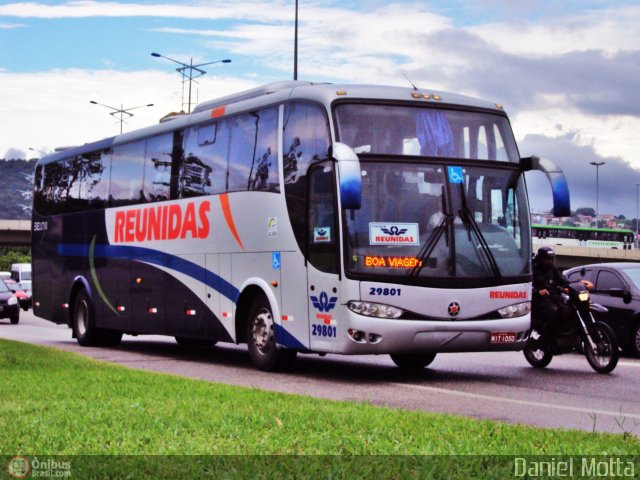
(163, 222)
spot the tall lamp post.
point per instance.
(186, 70)
(120, 111)
(597, 165)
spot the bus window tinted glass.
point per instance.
(95, 168)
(204, 168)
(306, 140)
(127, 169)
(428, 132)
(157, 168)
(253, 156)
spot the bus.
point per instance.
(583, 236)
(296, 217)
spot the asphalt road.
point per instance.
(498, 386)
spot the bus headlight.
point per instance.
(517, 310)
(12, 301)
(377, 310)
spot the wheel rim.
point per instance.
(537, 354)
(82, 318)
(601, 355)
(637, 340)
(262, 331)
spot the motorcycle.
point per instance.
(580, 332)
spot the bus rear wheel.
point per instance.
(84, 327)
(261, 339)
(412, 361)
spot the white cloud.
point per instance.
(9, 26)
(54, 108)
(262, 11)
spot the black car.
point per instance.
(9, 307)
(617, 287)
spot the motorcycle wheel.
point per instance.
(604, 358)
(537, 353)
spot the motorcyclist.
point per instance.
(548, 282)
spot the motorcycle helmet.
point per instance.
(545, 257)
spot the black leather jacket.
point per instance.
(549, 278)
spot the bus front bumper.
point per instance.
(367, 335)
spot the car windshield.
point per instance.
(3, 287)
(634, 274)
(429, 222)
(426, 131)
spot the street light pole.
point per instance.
(597, 165)
(190, 67)
(120, 111)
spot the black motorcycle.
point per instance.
(579, 332)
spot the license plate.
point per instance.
(1, 308)
(503, 337)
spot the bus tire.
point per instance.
(261, 339)
(83, 323)
(412, 361)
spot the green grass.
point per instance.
(55, 402)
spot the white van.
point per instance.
(21, 271)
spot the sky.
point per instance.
(567, 72)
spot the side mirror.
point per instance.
(350, 176)
(625, 295)
(559, 186)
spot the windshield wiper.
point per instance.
(472, 226)
(429, 246)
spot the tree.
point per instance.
(586, 211)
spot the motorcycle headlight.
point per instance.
(517, 310)
(583, 296)
(377, 310)
(12, 300)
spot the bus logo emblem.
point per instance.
(323, 303)
(454, 309)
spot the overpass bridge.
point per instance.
(569, 257)
(15, 233)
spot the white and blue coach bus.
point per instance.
(296, 217)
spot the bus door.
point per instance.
(323, 280)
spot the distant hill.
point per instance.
(16, 185)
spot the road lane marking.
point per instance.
(515, 401)
(630, 364)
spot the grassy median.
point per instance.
(60, 403)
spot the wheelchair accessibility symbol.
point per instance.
(275, 260)
(455, 175)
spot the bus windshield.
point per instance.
(428, 222)
(426, 131)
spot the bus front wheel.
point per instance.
(261, 339)
(84, 327)
(412, 361)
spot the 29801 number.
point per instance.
(385, 292)
(324, 331)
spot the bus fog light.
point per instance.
(356, 335)
(517, 310)
(377, 310)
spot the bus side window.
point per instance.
(305, 140)
(253, 155)
(322, 236)
(157, 168)
(127, 170)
